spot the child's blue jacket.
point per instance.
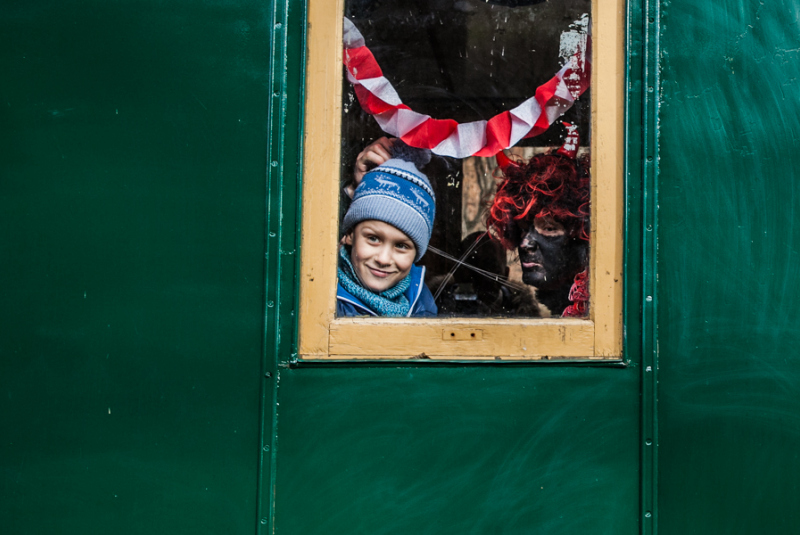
(418, 295)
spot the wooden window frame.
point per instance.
(324, 337)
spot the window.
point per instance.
(421, 48)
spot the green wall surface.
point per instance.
(132, 153)
(149, 175)
(454, 450)
(729, 265)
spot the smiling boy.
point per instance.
(386, 229)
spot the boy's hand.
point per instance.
(375, 154)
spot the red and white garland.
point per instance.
(446, 137)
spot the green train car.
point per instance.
(173, 177)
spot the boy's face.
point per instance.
(381, 254)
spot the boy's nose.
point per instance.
(384, 256)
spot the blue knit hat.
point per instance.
(399, 194)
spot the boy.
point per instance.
(386, 229)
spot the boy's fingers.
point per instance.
(379, 152)
(381, 146)
(385, 143)
(370, 159)
(373, 155)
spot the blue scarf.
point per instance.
(391, 302)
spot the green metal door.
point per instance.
(728, 329)
(149, 302)
(454, 448)
(132, 187)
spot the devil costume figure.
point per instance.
(542, 209)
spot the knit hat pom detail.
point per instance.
(419, 157)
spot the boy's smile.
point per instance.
(381, 254)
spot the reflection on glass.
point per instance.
(508, 235)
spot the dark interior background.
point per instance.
(466, 60)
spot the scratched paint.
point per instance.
(729, 262)
(133, 175)
(457, 450)
(131, 318)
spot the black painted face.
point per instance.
(550, 255)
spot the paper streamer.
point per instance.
(447, 137)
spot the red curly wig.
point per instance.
(547, 185)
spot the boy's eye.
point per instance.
(372, 238)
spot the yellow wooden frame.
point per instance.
(322, 336)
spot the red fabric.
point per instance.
(372, 104)
(498, 134)
(577, 78)
(362, 65)
(430, 133)
(545, 96)
(571, 141)
(579, 295)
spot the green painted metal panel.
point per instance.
(283, 224)
(458, 450)
(642, 158)
(140, 379)
(132, 153)
(729, 262)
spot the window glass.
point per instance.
(466, 79)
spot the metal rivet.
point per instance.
(268, 375)
(278, 25)
(270, 304)
(648, 369)
(266, 448)
(264, 520)
(648, 298)
(648, 442)
(272, 234)
(274, 164)
(648, 514)
(649, 227)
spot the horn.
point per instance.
(504, 161)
